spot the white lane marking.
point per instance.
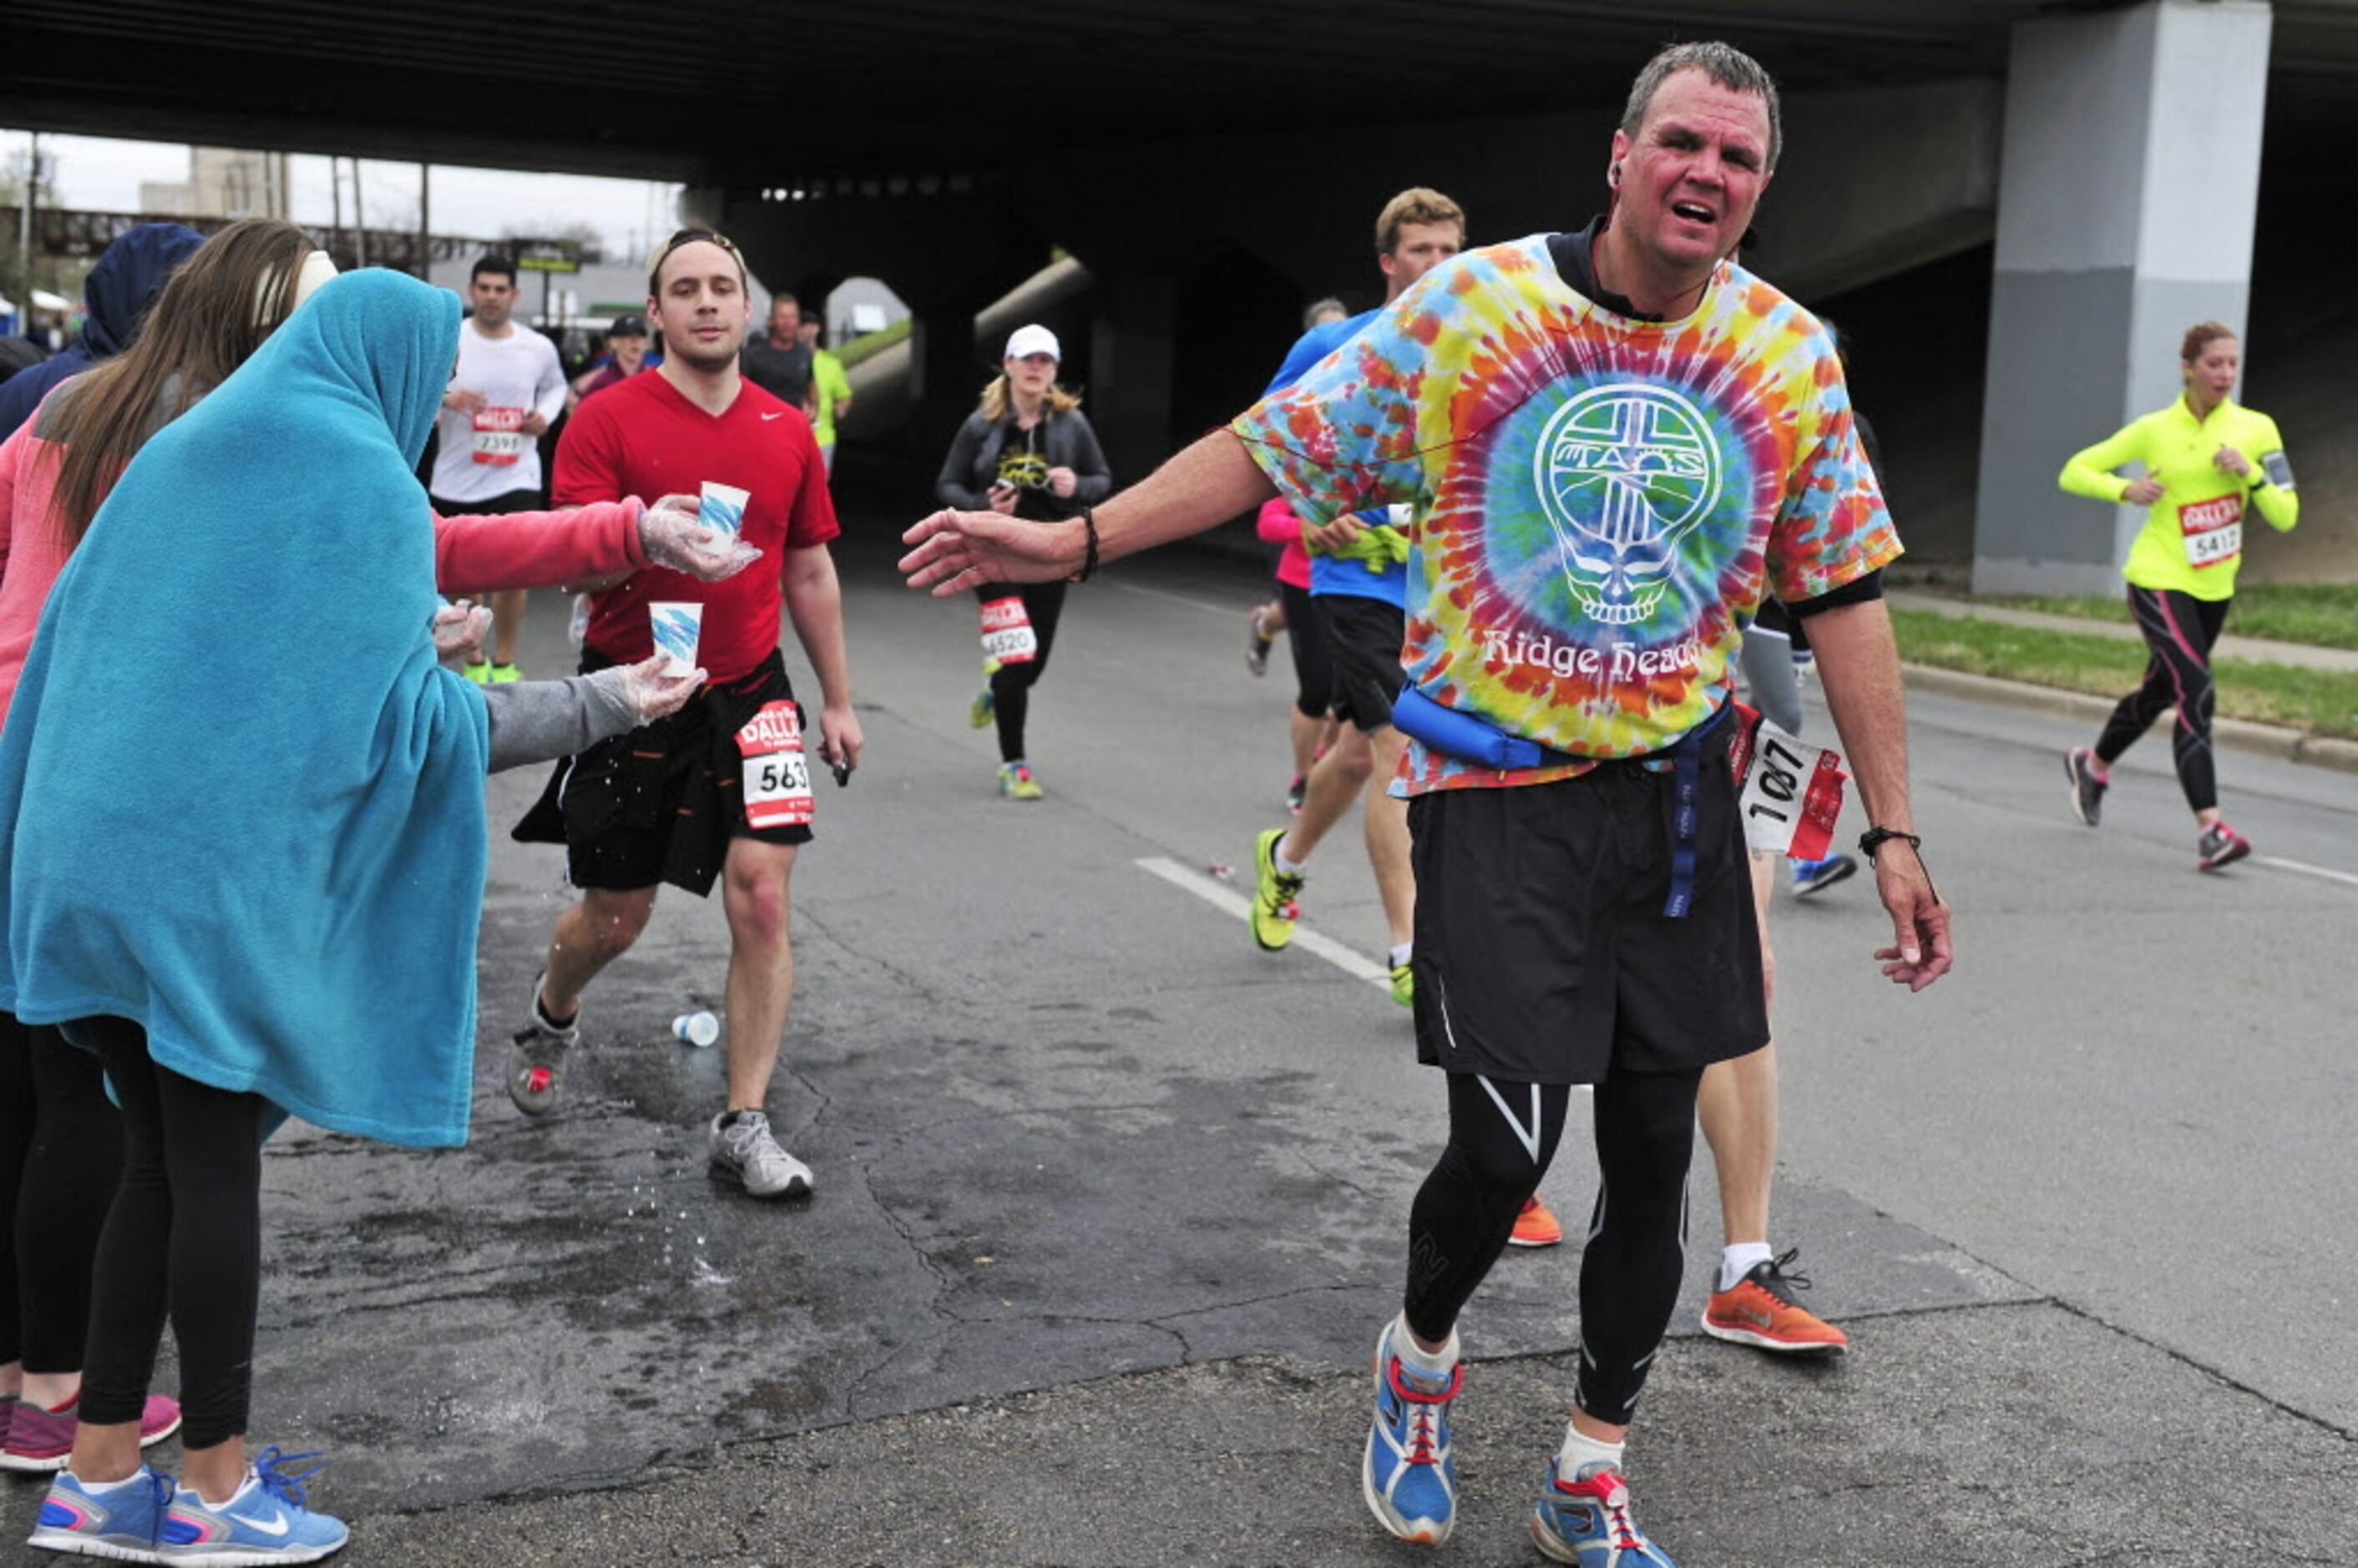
(1171, 598)
(2302, 868)
(1356, 965)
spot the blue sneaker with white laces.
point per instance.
(1585, 1520)
(1407, 1477)
(265, 1521)
(119, 1522)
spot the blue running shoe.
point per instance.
(1407, 1477)
(120, 1522)
(1816, 876)
(1586, 1521)
(267, 1522)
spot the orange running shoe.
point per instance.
(1761, 1312)
(1535, 1227)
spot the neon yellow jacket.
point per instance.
(2193, 539)
(829, 386)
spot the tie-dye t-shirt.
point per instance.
(1599, 501)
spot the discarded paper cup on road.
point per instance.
(677, 625)
(723, 507)
(698, 1029)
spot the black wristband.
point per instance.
(1874, 839)
(1089, 562)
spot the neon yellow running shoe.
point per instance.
(505, 675)
(1273, 909)
(480, 673)
(1404, 985)
(1015, 782)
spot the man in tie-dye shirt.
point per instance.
(1611, 443)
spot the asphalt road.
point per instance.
(1111, 1203)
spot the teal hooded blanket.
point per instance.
(240, 804)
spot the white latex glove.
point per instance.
(649, 692)
(671, 535)
(458, 633)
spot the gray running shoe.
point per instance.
(745, 1149)
(2087, 789)
(537, 1050)
(2218, 846)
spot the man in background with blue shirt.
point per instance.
(1359, 582)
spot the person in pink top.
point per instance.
(1311, 724)
(61, 1143)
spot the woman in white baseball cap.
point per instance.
(1026, 450)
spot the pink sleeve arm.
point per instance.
(537, 549)
(11, 458)
(1277, 525)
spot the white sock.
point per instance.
(1400, 953)
(1739, 1260)
(100, 1489)
(1416, 1359)
(1579, 1449)
(1291, 868)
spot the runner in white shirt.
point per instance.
(508, 388)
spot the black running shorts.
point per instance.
(1363, 645)
(1543, 954)
(661, 803)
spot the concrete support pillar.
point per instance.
(945, 373)
(1131, 355)
(2126, 194)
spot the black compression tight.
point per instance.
(1501, 1138)
(2179, 630)
(61, 1154)
(185, 1228)
(1011, 685)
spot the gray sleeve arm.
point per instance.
(539, 720)
(1769, 673)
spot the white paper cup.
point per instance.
(723, 508)
(677, 625)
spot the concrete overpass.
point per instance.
(1218, 162)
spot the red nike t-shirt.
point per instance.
(642, 437)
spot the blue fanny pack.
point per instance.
(1468, 738)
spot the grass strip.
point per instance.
(2324, 702)
(2323, 613)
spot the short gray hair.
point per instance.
(1725, 64)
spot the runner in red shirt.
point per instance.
(720, 790)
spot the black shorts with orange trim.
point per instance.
(661, 803)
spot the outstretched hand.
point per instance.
(1920, 952)
(959, 550)
(672, 535)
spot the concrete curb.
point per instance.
(2269, 740)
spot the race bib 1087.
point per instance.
(1788, 795)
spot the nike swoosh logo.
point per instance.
(277, 1523)
(767, 417)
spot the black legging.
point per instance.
(1011, 685)
(1313, 673)
(185, 1228)
(60, 1155)
(2179, 630)
(1501, 1137)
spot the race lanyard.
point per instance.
(2213, 530)
(777, 774)
(1007, 634)
(499, 436)
(1788, 799)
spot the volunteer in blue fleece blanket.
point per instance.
(115, 295)
(251, 888)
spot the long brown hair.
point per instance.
(208, 321)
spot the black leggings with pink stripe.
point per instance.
(2179, 629)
